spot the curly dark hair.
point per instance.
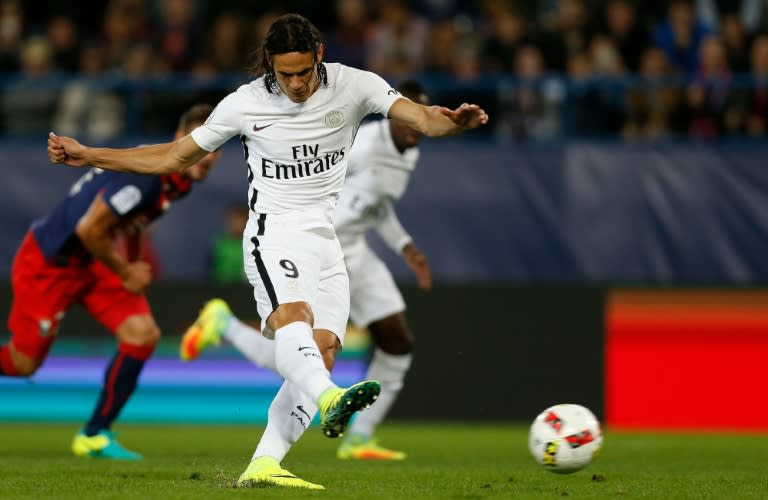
(289, 33)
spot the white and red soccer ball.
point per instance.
(565, 438)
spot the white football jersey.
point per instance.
(297, 153)
(378, 176)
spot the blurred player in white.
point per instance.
(381, 161)
(296, 123)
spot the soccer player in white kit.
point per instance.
(297, 123)
(380, 166)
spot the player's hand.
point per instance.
(66, 150)
(137, 276)
(419, 264)
(466, 116)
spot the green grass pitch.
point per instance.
(453, 461)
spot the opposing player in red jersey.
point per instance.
(71, 256)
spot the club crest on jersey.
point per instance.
(334, 119)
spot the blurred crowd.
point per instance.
(644, 70)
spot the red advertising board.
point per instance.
(686, 359)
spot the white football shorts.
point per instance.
(295, 257)
(373, 292)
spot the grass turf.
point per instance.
(445, 461)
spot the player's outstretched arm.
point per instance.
(156, 159)
(436, 121)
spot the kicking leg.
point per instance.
(290, 415)
(299, 360)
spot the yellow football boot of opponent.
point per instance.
(102, 445)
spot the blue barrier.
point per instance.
(565, 212)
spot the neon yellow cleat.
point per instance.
(206, 330)
(338, 405)
(359, 447)
(266, 471)
(102, 445)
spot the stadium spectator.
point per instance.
(750, 13)
(606, 58)
(126, 24)
(65, 44)
(399, 39)
(444, 40)
(298, 274)
(737, 43)
(177, 34)
(11, 35)
(508, 32)
(701, 114)
(85, 106)
(680, 34)
(531, 109)
(348, 43)
(227, 42)
(620, 23)
(591, 108)
(652, 101)
(70, 257)
(570, 23)
(28, 102)
(748, 107)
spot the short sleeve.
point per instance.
(126, 192)
(222, 124)
(377, 95)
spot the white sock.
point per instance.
(389, 370)
(290, 414)
(252, 344)
(299, 360)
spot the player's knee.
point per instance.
(139, 331)
(290, 313)
(393, 337)
(25, 366)
(149, 336)
(398, 345)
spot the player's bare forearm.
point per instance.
(135, 275)
(133, 244)
(101, 245)
(437, 121)
(152, 160)
(156, 159)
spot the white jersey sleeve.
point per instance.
(391, 231)
(377, 96)
(224, 122)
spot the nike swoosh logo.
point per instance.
(256, 128)
(287, 476)
(301, 409)
(305, 347)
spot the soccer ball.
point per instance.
(565, 438)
